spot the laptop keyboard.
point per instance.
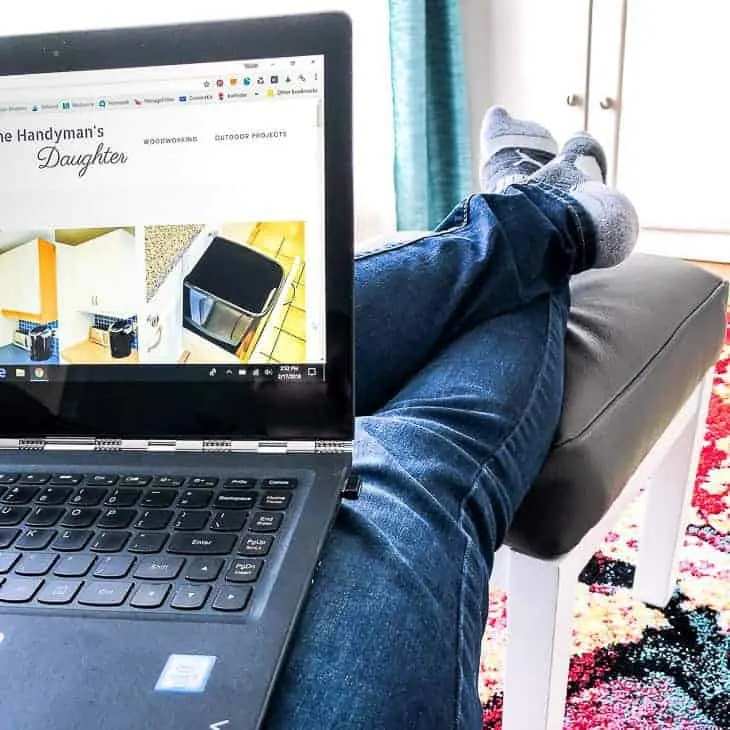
(197, 544)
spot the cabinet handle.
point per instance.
(607, 103)
(573, 100)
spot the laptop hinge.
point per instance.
(218, 446)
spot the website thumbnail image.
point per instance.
(231, 293)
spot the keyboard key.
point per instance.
(204, 569)
(109, 542)
(73, 566)
(235, 499)
(147, 542)
(8, 478)
(255, 545)
(190, 597)
(265, 522)
(59, 592)
(168, 482)
(67, 480)
(201, 543)
(19, 495)
(157, 519)
(80, 517)
(72, 540)
(102, 480)
(7, 561)
(88, 497)
(135, 480)
(38, 564)
(159, 568)
(149, 595)
(281, 483)
(35, 538)
(19, 590)
(12, 515)
(113, 566)
(240, 483)
(232, 598)
(205, 482)
(244, 570)
(7, 535)
(123, 497)
(158, 498)
(117, 519)
(97, 593)
(44, 516)
(275, 500)
(195, 499)
(228, 521)
(34, 478)
(191, 521)
(53, 495)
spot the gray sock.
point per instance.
(614, 220)
(511, 150)
(580, 171)
(581, 159)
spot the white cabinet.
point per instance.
(651, 78)
(107, 276)
(675, 113)
(161, 324)
(20, 279)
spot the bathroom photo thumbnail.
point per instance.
(28, 298)
(100, 292)
(224, 293)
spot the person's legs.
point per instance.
(390, 635)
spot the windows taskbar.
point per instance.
(41, 373)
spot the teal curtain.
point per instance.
(432, 147)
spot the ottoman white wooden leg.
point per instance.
(670, 495)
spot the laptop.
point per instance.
(176, 363)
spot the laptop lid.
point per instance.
(176, 238)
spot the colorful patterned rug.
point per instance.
(634, 667)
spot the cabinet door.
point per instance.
(604, 81)
(161, 326)
(675, 112)
(531, 57)
(21, 279)
(108, 269)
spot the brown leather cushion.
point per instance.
(640, 338)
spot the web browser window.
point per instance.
(167, 216)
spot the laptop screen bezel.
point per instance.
(220, 409)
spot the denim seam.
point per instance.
(402, 244)
(468, 545)
(537, 392)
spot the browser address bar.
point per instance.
(101, 90)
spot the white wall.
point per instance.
(374, 189)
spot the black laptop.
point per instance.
(176, 367)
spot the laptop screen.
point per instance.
(164, 223)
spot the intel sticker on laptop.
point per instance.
(185, 673)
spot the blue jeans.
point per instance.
(459, 361)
